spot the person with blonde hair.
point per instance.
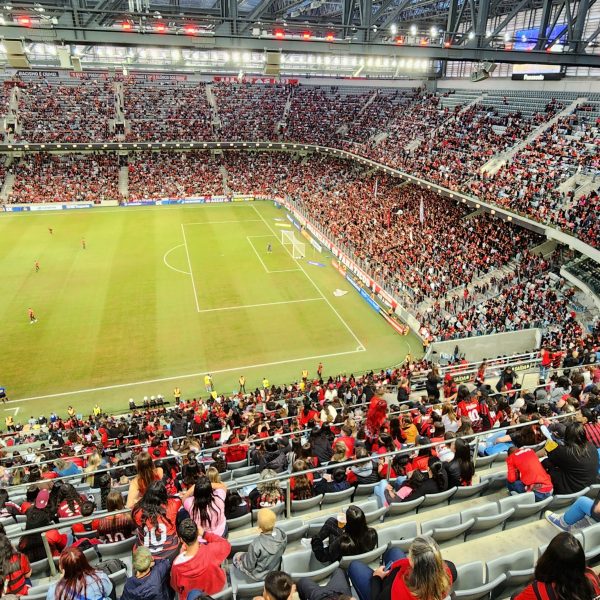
(267, 493)
(215, 478)
(96, 477)
(422, 575)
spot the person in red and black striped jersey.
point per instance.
(562, 574)
(591, 426)
(15, 569)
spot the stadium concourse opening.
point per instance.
(162, 295)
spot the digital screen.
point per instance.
(526, 39)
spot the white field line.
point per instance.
(262, 262)
(209, 310)
(190, 265)
(186, 376)
(170, 266)
(360, 344)
(222, 222)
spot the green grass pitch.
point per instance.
(162, 295)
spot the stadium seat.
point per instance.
(578, 535)
(89, 535)
(243, 471)
(400, 508)
(294, 529)
(238, 464)
(366, 557)
(226, 594)
(471, 583)
(39, 592)
(301, 506)
(90, 554)
(304, 564)
(446, 528)
(118, 579)
(334, 497)
(468, 491)
(525, 505)
(240, 544)
(364, 489)
(562, 500)
(433, 499)
(239, 522)
(486, 517)
(242, 586)
(517, 566)
(591, 541)
(484, 461)
(40, 568)
(278, 509)
(496, 481)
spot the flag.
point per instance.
(422, 212)
(410, 235)
(376, 186)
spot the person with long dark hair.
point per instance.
(574, 464)
(69, 502)
(146, 474)
(561, 573)
(420, 483)
(155, 516)
(207, 507)
(461, 468)
(345, 539)
(79, 579)
(14, 569)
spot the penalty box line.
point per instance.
(188, 376)
(262, 262)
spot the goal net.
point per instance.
(288, 238)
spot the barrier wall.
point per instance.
(478, 348)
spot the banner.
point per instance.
(33, 74)
(242, 199)
(338, 267)
(250, 79)
(294, 222)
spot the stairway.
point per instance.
(282, 125)
(499, 160)
(215, 121)
(124, 181)
(223, 171)
(7, 186)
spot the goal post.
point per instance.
(288, 238)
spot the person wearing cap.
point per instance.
(198, 567)
(150, 580)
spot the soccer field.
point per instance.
(162, 295)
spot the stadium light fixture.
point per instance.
(434, 31)
(306, 35)
(413, 30)
(24, 21)
(507, 37)
(424, 42)
(394, 29)
(330, 37)
(471, 35)
(399, 40)
(160, 27)
(190, 30)
(127, 26)
(279, 34)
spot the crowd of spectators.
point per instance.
(169, 464)
(45, 177)
(251, 111)
(79, 112)
(166, 111)
(156, 175)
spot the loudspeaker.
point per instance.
(479, 75)
(77, 64)
(489, 67)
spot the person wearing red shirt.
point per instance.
(561, 573)
(347, 439)
(236, 450)
(525, 473)
(198, 567)
(306, 415)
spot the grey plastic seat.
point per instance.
(591, 541)
(39, 592)
(116, 549)
(578, 536)
(243, 471)
(517, 566)
(525, 505)
(365, 557)
(468, 491)
(91, 554)
(294, 529)
(242, 586)
(562, 500)
(248, 479)
(304, 564)
(401, 508)
(278, 509)
(486, 517)
(410, 533)
(226, 476)
(471, 583)
(89, 535)
(240, 544)
(496, 481)
(591, 493)
(484, 462)
(226, 594)
(334, 497)
(300, 506)
(500, 457)
(398, 533)
(39, 568)
(434, 499)
(238, 464)
(239, 522)
(446, 528)
(118, 579)
(364, 489)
